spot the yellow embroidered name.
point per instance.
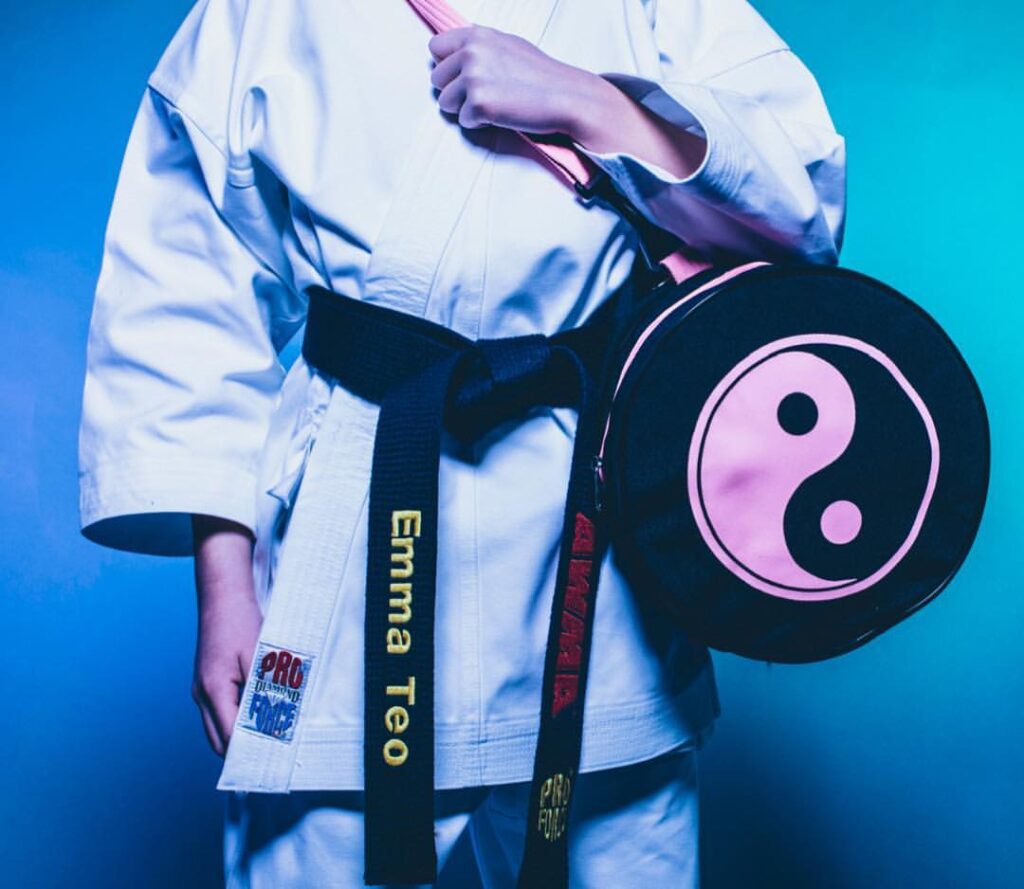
(405, 525)
(396, 721)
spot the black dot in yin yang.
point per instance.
(798, 414)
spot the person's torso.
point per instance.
(345, 174)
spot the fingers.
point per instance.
(468, 103)
(465, 96)
(213, 737)
(464, 73)
(446, 71)
(453, 96)
(217, 700)
(444, 44)
(225, 707)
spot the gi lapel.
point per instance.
(438, 177)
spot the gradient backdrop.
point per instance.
(898, 765)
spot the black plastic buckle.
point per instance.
(589, 191)
(654, 242)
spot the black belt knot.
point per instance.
(501, 379)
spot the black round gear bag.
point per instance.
(795, 459)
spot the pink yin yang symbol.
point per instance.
(776, 419)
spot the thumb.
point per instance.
(244, 664)
(224, 701)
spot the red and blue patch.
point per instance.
(274, 692)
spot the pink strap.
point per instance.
(569, 164)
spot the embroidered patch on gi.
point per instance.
(274, 692)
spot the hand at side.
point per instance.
(229, 623)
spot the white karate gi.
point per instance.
(280, 145)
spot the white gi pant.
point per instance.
(634, 826)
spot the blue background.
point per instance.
(898, 765)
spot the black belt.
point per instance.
(425, 376)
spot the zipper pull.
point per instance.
(597, 465)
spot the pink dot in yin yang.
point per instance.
(840, 522)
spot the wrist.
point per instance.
(606, 119)
(594, 109)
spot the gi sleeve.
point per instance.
(772, 181)
(182, 369)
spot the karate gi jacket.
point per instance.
(280, 145)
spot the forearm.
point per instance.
(223, 561)
(769, 187)
(602, 118)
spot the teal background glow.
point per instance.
(898, 765)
